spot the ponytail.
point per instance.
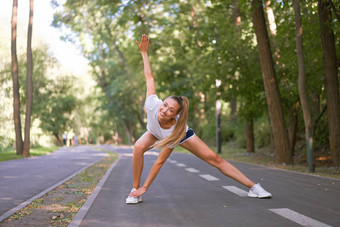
(179, 131)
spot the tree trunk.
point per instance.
(130, 133)
(302, 86)
(15, 79)
(58, 142)
(281, 141)
(233, 109)
(250, 136)
(331, 79)
(29, 92)
(271, 134)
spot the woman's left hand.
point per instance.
(138, 192)
(144, 43)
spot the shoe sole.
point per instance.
(260, 197)
(133, 203)
(265, 197)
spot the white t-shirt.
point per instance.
(152, 104)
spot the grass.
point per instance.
(265, 158)
(35, 151)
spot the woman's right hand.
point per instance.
(140, 191)
(144, 43)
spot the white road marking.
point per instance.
(152, 153)
(236, 190)
(181, 164)
(172, 161)
(127, 155)
(192, 170)
(298, 218)
(209, 177)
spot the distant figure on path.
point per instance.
(64, 136)
(166, 128)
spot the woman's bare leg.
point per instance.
(196, 146)
(141, 146)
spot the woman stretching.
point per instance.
(166, 128)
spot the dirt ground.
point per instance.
(59, 206)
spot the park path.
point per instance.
(22, 180)
(189, 192)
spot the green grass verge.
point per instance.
(35, 151)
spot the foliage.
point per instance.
(6, 127)
(193, 44)
(53, 100)
(7, 133)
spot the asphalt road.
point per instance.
(189, 192)
(22, 179)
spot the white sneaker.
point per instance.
(133, 200)
(258, 192)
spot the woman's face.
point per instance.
(169, 109)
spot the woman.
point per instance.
(167, 127)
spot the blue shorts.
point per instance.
(190, 133)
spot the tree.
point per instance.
(281, 141)
(331, 78)
(250, 142)
(193, 44)
(29, 86)
(55, 104)
(302, 85)
(15, 79)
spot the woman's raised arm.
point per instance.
(150, 80)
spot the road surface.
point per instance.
(189, 192)
(22, 179)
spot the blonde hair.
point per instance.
(179, 131)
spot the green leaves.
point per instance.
(192, 44)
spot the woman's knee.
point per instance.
(140, 148)
(215, 160)
(144, 143)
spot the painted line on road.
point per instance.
(298, 218)
(236, 191)
(172, 161)
(25, 203)
(154, 153)
(181, 165)
(192, 170)
(209, 177)
(84, 209)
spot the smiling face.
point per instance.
(169, 109)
